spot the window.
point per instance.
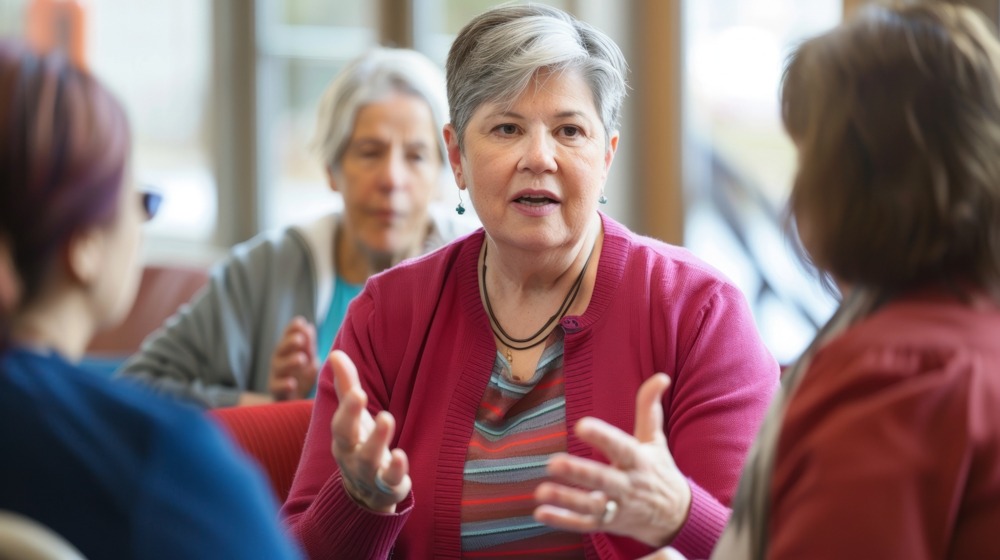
(155, 56)
(739, 163)
(12, 14)
(301, 46)
(439, 21)
(161, 73)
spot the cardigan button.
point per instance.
(570, 324)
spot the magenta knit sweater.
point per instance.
(424, 351)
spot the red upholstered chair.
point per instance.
(273, 434)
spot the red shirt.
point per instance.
(890, 447)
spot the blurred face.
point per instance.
(117, 284)
(535, 168)
(388, 174)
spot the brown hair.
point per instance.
(64, 142)
(897, 118)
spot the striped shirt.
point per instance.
(519, 425)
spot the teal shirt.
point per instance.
(343, 293)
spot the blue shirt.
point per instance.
(122, 473)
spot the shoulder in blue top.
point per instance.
(123, 473)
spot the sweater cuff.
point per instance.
(220, 397)
(363, 533)
(704, 525)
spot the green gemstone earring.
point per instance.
(460, 209)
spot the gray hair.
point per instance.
(497, 54)
(368, 79)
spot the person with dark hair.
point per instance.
(511, 358)
(884, 442)
(114, 469)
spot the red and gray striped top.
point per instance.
(519, 425)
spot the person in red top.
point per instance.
(885, 441)
(457, 392)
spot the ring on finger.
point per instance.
(382, 486)
(609, 513)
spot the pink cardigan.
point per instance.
(424, 350)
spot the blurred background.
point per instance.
(222, 95)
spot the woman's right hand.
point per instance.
(294, 365)
(374, 476)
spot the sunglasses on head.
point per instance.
(151, 201)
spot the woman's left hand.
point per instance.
(641, 494)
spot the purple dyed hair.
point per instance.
(64, 143)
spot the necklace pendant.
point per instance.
(510, 357)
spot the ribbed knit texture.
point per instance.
(701, 531)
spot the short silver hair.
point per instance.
(370, 78)
(497, 54)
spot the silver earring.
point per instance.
(602, 199)
(460, 209)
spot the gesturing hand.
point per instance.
(375, 477)
(294, 365)
(641, 494)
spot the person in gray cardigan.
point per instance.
(258, 331)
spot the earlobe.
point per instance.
(85, 255)
(609, 156)
(454, 154)
(331, 180)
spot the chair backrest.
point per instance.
(22, 538)
(273, 434)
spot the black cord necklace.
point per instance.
(525, 343)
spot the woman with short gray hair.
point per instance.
(475, 396)
(499, 54)
(369, 78)
(272, 308)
